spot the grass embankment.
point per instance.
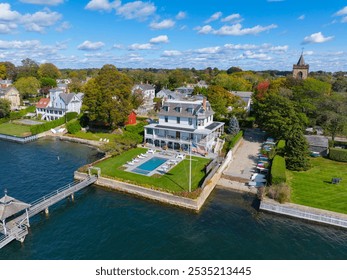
(15, 129)
(175, 181)
(313, 187)
(94, 136)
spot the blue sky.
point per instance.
(251, 34)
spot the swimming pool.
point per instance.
(148, 166)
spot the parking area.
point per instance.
(241, 168)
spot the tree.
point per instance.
(49, 70)
(5, 108)
(297, 150)
(47, 84)
(234, 127)
(2, 71)
(11, 71)
(232, 83)
(107, 97)
(29, 68)
(277, 115)
(233, 69)
(27, 86)
(220, 99)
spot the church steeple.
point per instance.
(300, 70)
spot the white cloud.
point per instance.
(43, 2)
(136, 10)
(240, 47)
(302, 17)
(344, 20)
(6, 14)
(279, 48)
(235, 30)
(166, 23)
(171, 53)
(209, 50)
(6, 28)
(181, 15)
(19, 44)
(64, 26)
(308, 52)
(39, 20)
(90, 46)
(205, 29)
(117, 46)
(103, 5)
(316, 38)
(214, 17)
(10, 20)
(252, 55)
(136, 46)
(342, 12)
(232, 18)
(160, 39)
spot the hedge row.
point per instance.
(73, 126)
(36, 129)
(278, 170)
(338, 154)
(235, 139)
(15, 115)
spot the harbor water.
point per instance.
(103, 224)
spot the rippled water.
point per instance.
(101, 224)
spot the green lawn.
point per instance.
(176, 180)
(94, 136)
(15, 129)
(313, 187)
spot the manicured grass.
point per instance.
(313, 187)
(94, 136)
(15, 129)
(176, 180)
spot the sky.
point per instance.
(250, 34)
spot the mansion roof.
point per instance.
(186, 109)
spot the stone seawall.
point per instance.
(188, 203)
(304, 212)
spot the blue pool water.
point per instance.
(149, 165)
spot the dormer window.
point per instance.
(178, 109)
(190, 110)
(166, 108)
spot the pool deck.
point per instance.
(171, 160)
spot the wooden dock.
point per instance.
(17, 228)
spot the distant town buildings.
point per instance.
(300, 70)
(148, 93)
(58, 104)
(11, 94)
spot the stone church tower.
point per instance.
(300, 70)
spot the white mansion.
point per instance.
(58, 104)
(184, 123)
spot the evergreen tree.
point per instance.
(297, 150)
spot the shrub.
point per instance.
(338, 154)
(73, 126)
(235, 139)
(278, 170)
(280, 192)
(280, 147)
(36, 129)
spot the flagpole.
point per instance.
(190, 167)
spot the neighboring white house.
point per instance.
(169, 94)
(246, 96)
(12, 95)
(58, 104)
(185, 123)
(148, 93)
(5, 83)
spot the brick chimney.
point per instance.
(204, 103)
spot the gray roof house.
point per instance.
(184, 124)
(246, 96)
(317, 143)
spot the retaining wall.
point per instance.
(22, 140)
(304, 212)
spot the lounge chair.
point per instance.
(130, 163)
(135, 160)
